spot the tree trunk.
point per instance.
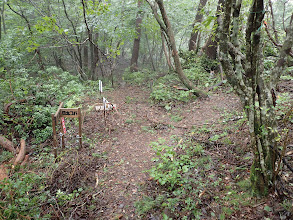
(40, 59)
(0, 27)
(86, 56)
(193, 42)
(256, 89)
(169, 32)
(58, 61)
(211, 45)
(135, 50)
(94, 57)
(2, 10)
(170, 64)
(150, 52)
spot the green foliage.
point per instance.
(140, 78)
(180, 170)
(63, 197)
(22, 196)
(6, 156)
(165, 93)
(162, 92)
(196, 69)
(41, 95)
(192, 60)
(172, 166)
(284, 104)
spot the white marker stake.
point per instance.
(104, 103)
(100, 86)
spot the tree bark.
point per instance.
(193, 42)
(135, 50)
(166, 27)
(170, 64)
(255, 89)
(0, 26)
(86, 56)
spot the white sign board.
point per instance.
(106, 106)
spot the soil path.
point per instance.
(128, 135)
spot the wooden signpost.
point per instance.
(59, 116)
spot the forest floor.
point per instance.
(123, 139)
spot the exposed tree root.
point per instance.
(21, 155)
(3, 172)
(7, 144)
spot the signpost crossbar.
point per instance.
(57, 117)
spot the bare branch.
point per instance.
(163, 27)
(273, 21)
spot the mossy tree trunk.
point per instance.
(245, 72)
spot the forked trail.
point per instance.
(127, 140)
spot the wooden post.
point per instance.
(79, 127)
(54, 136)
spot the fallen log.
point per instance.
(7, 144)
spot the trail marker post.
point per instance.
(105, 105)
(100, 86)
(60, 114)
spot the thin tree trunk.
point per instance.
(135, 50)
(3, 17)
(171, 67)
(0, 27)
(86, 56)
(169, 31)
(273, 22)
(193, 42)
(150, 52)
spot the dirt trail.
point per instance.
(129, 132)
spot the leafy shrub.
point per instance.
(161, 92)
(141, 77)
(192, 60)
(21, 198)
(42, 94)
(181, 171)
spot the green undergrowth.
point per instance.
(50, 187)
(187, 183)
(47, 187)
(34, 97)
(142, 77)
(22, 196)
(166, 88)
